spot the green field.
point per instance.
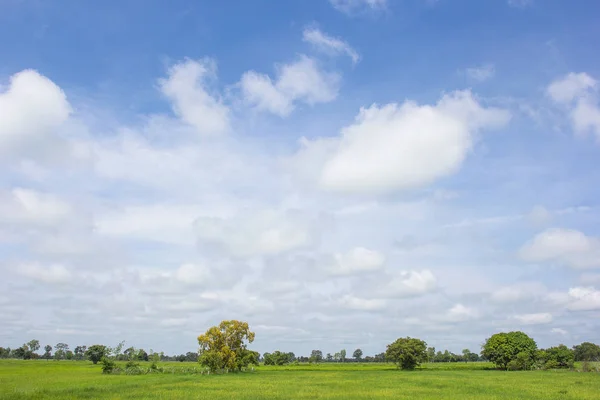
(82, 380)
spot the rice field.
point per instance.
(36, 379)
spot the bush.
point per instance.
(108, 365)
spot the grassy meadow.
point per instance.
(37, 379)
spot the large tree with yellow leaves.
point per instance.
(223, 347)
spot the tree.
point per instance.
(466, 353)
(60, 351)
(79, 352)
(357, 354)
(47, 352)
(502, 348)
(34, 345)
(430, 354)
(587, 351)
(96, 352)
(316, 356)
(343, 355)
(407, 353)
(223, 347)
(329, 357)
(556, 357)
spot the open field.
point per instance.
(82, 380)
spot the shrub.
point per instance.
(108, 365)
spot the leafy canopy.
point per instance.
(407, 353)
(504, 348)
(223, 347)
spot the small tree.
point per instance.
(502, 348)
(587, 351)
(96, 352)
(47, 352)
(223, 347)
(407, 353)
(556, 357)
(34, 345)
(343, 355)
(357, 354)
(316, 356)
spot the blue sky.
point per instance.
(338, 173)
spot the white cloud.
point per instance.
(571, 87)
(564, 246)
(559, 331)
(51, 274)
(410, 284)
(329, 44)
(397, 147)
(481, 73)
(534, 319)
(351, 6)
(460, 313)
(262, 232)
(30, 208)
(32, 108)
(584, 299)
(356, 303)
(300, 81)
(518, 292)
(578, 92)
(356, 261)
(539, 215)
(186, 87)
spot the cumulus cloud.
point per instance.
(262, 232)
(559, 331)
(481, 73)
(410, 284)
(186, 86)
(460, 313)
(563, 246)
(357, 260)
(301, 81)
(584, 299)
(534, 319)
(578, 93)
(49, 274)
(30, 208)
(329, 44)
(32, 109)
(359, 304)
(396, 147)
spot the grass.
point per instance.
(83, 380)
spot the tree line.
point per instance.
(224, 348)
(61, 351)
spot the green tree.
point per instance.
(34, 345)
(502, 348)
(79, 352)
(556, 357)
(223, 347)
(343, 355)
(96, 352)
(466, 353)
(47, 352)
(329, 357)
(430, 354)
(316, 356)
(587, 351)
(407, 353)
(357, 354)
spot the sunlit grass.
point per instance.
(83, 380)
